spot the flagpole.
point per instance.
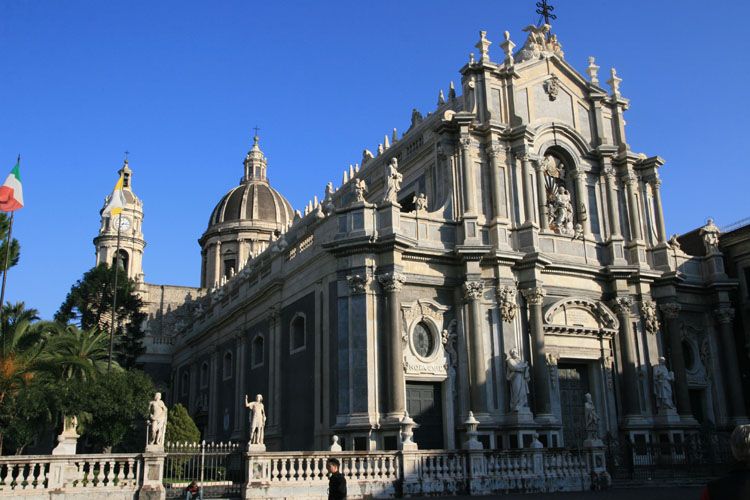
(8, 241)
(114, 297)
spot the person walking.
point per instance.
(336, 480)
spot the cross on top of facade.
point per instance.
(545, 10)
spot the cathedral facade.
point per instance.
(506, 256)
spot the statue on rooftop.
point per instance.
(393, 180)
(710, 234)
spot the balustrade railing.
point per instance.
(72, 472)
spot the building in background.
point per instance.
(506, 255)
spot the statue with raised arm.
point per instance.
(257, 419)
(393, 180)
(517, 373)
(157, 418)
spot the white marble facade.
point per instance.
(516, 218)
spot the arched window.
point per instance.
(123, 260)
(423, 340)
(297, 334)
(256, 352)
(226, 365)
(204, 374)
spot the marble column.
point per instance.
(468, 175)
(661, 231)
(499, 205)
(541, 195)
(395, 402)
(239, 387)
(528, 204)
(633, 213)
(213, 396)
(733, 382)
(534, 301)
(613, 211)
(671, 311)
(217, 266)
(473, 291)
(582, 205)
(631, 404)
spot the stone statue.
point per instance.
(257, 419)
(420, 202)
(592, 418)
(663, 379)
(710, 234)
(517, 373)
(561, 211)
(157, 417)
(328, 200)
(539, 41)
(359, 187)
(393, 180)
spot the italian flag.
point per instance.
(11, 192)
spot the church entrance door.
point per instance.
(574, 384)
(425, 406)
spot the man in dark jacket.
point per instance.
(336, 480)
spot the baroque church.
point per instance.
(506, 256)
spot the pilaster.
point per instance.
(473, 291)
(542, 398)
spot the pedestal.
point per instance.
(66, 444)
(254, 448)
(153, 473)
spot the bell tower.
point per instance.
(130, 222)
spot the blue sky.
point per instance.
(180, 84)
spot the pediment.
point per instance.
(581, 314)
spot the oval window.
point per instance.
(424, 343)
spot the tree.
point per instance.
(14, 313)
(180, 426)
(89, 304)
(21, 351)
(77, 354)
(15, 247)
(26, 415)
(117, 405)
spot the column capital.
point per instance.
(630, 178)
(534, 296)
(392, 282)
(494, 149)
(473, 290)
(358, 283)
(655, 182)
(522, 156)
(609, 172)
(724, 315)
(670, 310)
(465, 142)
(623, 305)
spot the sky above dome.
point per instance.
(181, 84)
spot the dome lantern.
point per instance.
(255, 163)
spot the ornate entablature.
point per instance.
(428, 340)
(580, 316)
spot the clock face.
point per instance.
(122, 222)
(423, 342)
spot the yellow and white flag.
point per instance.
(116, 200)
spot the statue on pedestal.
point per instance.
(710, 234)
(393, 180)
(517, 373)
(663, 379)
(592, 418)
(157, 419)
(257, 420)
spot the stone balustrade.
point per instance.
(113, 476)
(430, 472)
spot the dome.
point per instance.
(253, 202)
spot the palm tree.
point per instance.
(13, 313)
(77, 354)
(21, 351)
